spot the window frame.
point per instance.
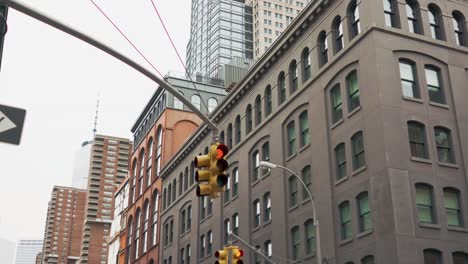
(306, 65)
(340, 164)
(358, 150)
(338, 36)
(293, 77)
(439, 96)
(457, 209)
(363, 213)
(448, 147)
(427, 206)
(346, 231)
(281, 88)
(417, 143)
(322, 44)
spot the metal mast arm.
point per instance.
(95, 43)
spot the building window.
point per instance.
(337, 104)
(452, 207)
(323, 48)
(266, 156)
(255, 166)
(235, 183)
(134, 176)
(417, 140)
(229, 136)
(256, 208)
(425, 203)
(293, 77)
(340, 159)
(212, 103)
(181, 181)
(268, 248)
(337, 34)
(238, 129)
(235, 224)
(189, 217)
(413, 15)
(268, 101)
(434, 86)
(409, 84)
(137, 233)
(165, 199)
(460, 257)
(202, 246)
(146, 212)
(354, 19)
(227, 189)
(291, 133)
(390, 11)
(309, 229)
(304, 127)
(432, 256)
(159, 150)
(345, 220)
(352, 86)
(192, 173)
(307, 72)
(281, 88)
(307, 179)
(171, 232)
(129, 240)
(182, 255)
(295, 242)
(257, 258)
(365, 221)
(210, 206)
(292, 191)
(357, 146)
(196, 101)
(142, 171)
(368, 260)
(227, 229)
(435, 22)
(210, 242)
(186, 180)
(177, 103)
(149, 162)
(258, 110)
(203, 202)
(443, 141)
(248, 119)
(266, 207)
(188, 253)
(459, 28)
(174, 188)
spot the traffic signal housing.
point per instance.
(211, 171)
(222, 256)
(237, 255)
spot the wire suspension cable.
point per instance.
(253, 248)
(125, 36)
(177, 52)
(95, 43)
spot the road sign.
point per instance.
(11, 124)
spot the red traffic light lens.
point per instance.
(221, 151)
(240, 253)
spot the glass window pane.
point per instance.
(406, 71)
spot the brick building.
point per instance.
(64, 225)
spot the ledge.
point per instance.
(449, 165)
(412, 99)
(416, 159)
(445, 106)
(304, 147)
(457, 229)
(346, 241)
(291, 157)
(336, 124)
(365, 233)
(357, 109)
(292, 208)
(428, 225)
(338, 182)
(361, 169)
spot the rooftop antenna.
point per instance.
(95, 123)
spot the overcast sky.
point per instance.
(57, 78)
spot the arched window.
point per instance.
(459, 28)
(129, 240)
(229, 136)
(146, 213)
(238, 129)
(322, 44)
(134, 176)
(453, 207)
(186, 179)
(432, 256)
(209, 248)
(306, 65)
(154, 218)
(291, 138)
(425, 203)
(391, 13)
(368, 260)
(307, 179)
(248, 119)
(189, 218)
(293, 77)
(159, 134)
(364, 212)
(258, 110)
(414, 16)
(235, 223)
(222, 137)
(268, 101)
(281, 88)
(435, 22)
(196, 101)
(177, 103)
(304, 129)
(164, 198)
(409, 82)
(357, 149)
(295, 242)
(169, 194)
(181, 181)
(227, 229)
(149, 162)
(352, 86)
(337, 30)
(417, 140)
(212, 103)
(460, 257)
(188, 253)
(142, 171)
(192, 173)
(434, 84)
(136, 236)
(309, 230)
(336, 103)
(174, 188)
(256, 212)
(444, 145)
(255, 166)
(354, 19)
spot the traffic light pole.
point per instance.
(253, 248)
(95, 43)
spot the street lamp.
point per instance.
(315, 220)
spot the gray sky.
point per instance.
(56, 78)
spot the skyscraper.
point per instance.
(109, 165)
(64, 225)
(220, 30)
(26, 251)
(81, 166)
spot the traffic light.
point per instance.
(3, 27)
(236, 255)
(210, 172)
(222, 256)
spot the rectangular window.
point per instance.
(365, 221)
(353, 91)
(291, 133)
(256, 213)
(295, 242)
(304, 127)
(307, 179)
(292, 191)
(345, 221)
(235, 185)
(310, 237)
(267, 207)
(359, 159)
(266, 156)
(408, 80)
(444, 145)
(424, 204)
(417, 140)
(337, 104)
(434, 85)
(452, 207)
(255, 166)
(340, 159)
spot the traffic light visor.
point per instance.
(221, 254)
(237, 253)
(221, 151)
(201, 161)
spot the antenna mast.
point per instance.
(96, 117)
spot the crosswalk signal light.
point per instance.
(237, 255)
(222, 256)
(210, 172)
